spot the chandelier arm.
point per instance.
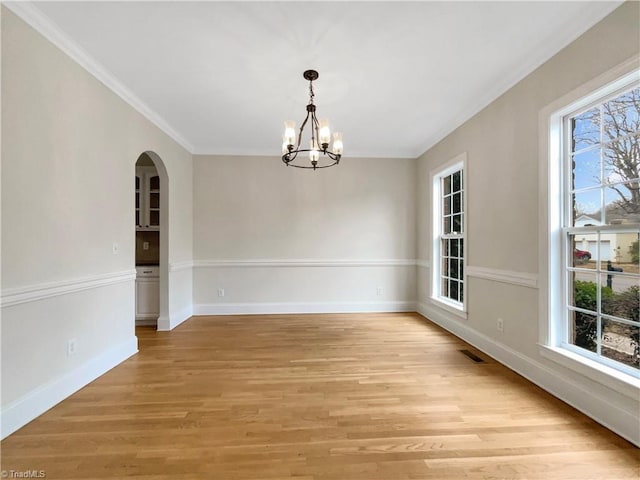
(301, 129)
(293, 155)
(333, 156)
(315, 131)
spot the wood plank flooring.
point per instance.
(314, 397)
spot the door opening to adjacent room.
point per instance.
(151, 234)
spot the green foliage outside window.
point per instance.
(586, 297)
(625, 304)
(634, 250)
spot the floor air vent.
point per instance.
(472, 356)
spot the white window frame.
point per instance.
(455, 164)
(552, 245)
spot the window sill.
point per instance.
(450, 307)
(620, 382)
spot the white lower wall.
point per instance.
(272, 286)
(37, 324)
(180, 296)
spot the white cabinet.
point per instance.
(147, 199)
(147, 293)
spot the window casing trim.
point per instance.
(459, 162)
(552, 248)
(595, 98)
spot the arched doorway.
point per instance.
(152, 241)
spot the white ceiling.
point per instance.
(395, 77)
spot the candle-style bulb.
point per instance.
(314, 154)
(324, 134)
(337, 143)
(289, 136)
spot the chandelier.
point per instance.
(320, 156)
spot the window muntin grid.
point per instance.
(601, 224)
(451, 242)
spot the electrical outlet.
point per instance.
(145, 245)
(500, 325)
(221, 292)
(71, 347)
(379, 291)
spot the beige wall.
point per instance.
(68, 155)
(257, 209)
(502, 144)
(69, 148)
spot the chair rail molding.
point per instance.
(183, 265)
(256, 263)
(522, 279)
(40, 291)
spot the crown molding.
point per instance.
(547, 48)
(34, 17)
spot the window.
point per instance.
(598, 302)
(448, 281)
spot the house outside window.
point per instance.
(599, 298)
(448, 253)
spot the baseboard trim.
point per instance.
(20, 412)
(166, 324)
(163, 324)
(615, 418)
(146, 322)
(325, 307)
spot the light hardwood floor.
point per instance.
(358, 396)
